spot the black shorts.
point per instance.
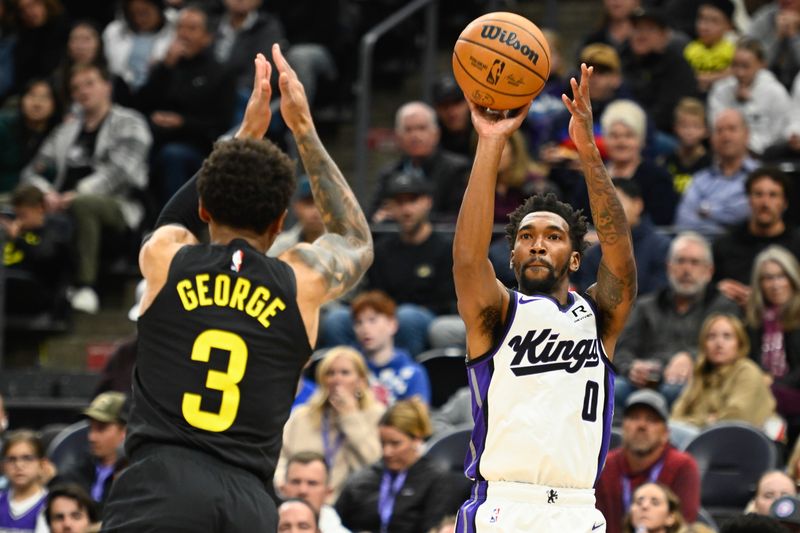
(176, 489)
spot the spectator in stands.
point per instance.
(518, 177)
(691, 155)
(793, 464)
(452, 112)
(418, 139)
(771, 486)
(37, 256)
(69, 509)
(404, 492)
(375, 324)
(307, 479)
(711, 54)
(725, 384)
(455, 413)
(340, 420)
(624, 126)
(3, 420)
(93, 168)
(22, 505)
(658, 74)
(650, 246)
(646, 456)
(414, 267)
(655, 508)
(767, 190)
(616, 26)
(84, 47)
(297, 516)
(777, 27)
(716, 197)
(242, 32)
(41, 39)
(108, 420)
(753, 523)
(773, 320)
(755, 91)
(309, 224)
(657, 347)
(789, 149)
(134, 42)
(188, 99)
(23, 130)
(786, 510)
(8, 40)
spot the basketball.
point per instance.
(501, 61)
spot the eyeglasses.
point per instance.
(21, 459)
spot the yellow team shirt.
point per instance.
(714, 59)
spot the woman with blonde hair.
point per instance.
(404, 492)
(773, 322)
(655, 509)
(725, 383)
(339, 421)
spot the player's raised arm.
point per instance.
(615, 289)
(336, 261)
(482, 299)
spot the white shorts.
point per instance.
(507, 507)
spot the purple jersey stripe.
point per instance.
(480, 377)
(465, 522)
(608, 416)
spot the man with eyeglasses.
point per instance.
(658, 346)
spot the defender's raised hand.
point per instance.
(294, 103)
(257, 115)
(581, 127)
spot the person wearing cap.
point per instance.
(772, 485)
(414, 267)
(452, 111)
(711, 54)
(658, 74)
(309, 224)
(94, 472)
(418, 137)
(646, 455)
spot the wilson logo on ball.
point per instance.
(496, 33)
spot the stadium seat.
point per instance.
(731, 456)
(449, 450)
(69, 445)
(705, 518)
(446, 371)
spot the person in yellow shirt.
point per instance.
(711, 54)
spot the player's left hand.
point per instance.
(294, 102)
(258, 114)
(581, 125)
(497, 124)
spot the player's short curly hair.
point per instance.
(246, 184)
(574, 217)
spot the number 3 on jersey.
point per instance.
(216, 380)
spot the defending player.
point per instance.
(225, 330)
(538, 367)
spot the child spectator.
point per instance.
(711, 54)
(691, 154)
(21, 506)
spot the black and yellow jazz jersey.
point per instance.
(220, 353)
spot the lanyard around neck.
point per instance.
(330, 449)
(389, 490)
(655, 471)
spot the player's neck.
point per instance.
(224, 235)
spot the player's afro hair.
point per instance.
(246, 184)
(575, 219)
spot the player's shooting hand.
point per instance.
(581, 125)
(497, 124)
(258, 114)
(294, 103)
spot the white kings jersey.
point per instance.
(542, 399)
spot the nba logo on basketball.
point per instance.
(496, 71)
(495, 515)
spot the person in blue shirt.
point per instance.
(375, 325)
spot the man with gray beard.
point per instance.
(658, 346)
(646, 456)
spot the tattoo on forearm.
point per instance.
(348, 241)
(609, 217)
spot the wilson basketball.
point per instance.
(501, 61)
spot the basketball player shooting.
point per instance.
(224, 330)
(539, 356)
